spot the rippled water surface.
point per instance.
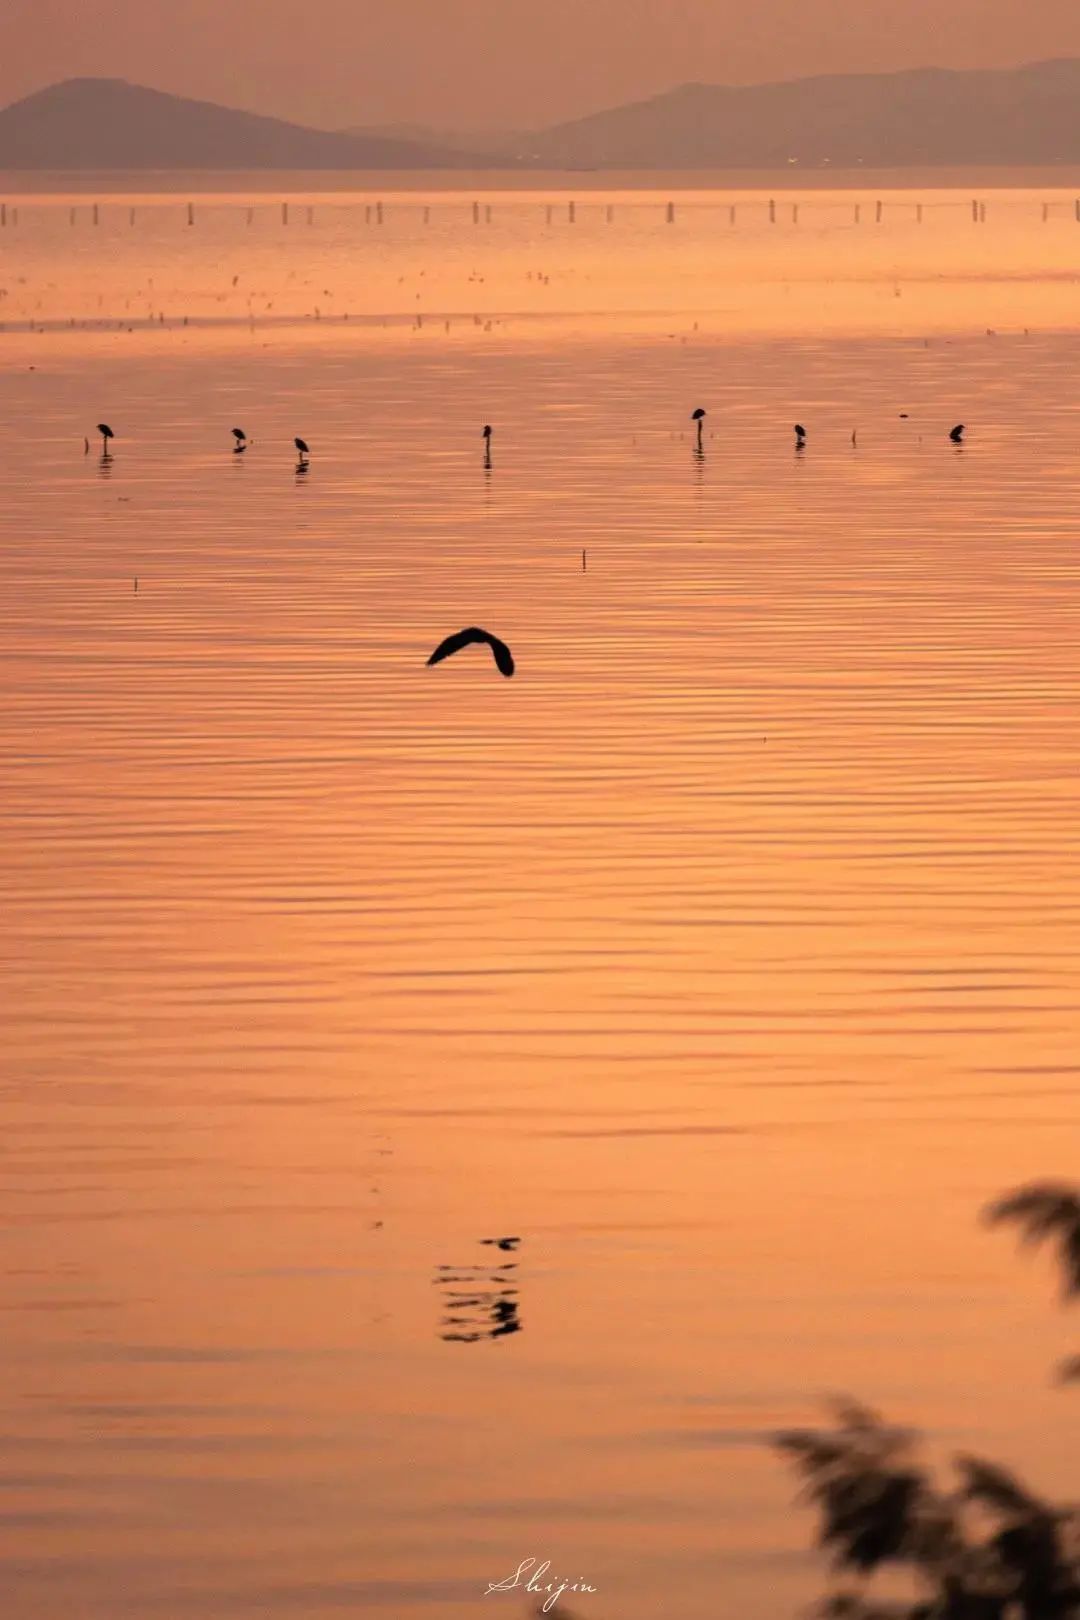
(727, 956)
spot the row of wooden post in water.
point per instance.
(375, 213)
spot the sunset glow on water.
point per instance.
(727, 956)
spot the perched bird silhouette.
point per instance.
(800, 436)
(241, 441)
(302, 448)
(504, 662)
(1045, 1211)
(506, 1244)
(487, 445)
(957, 434)
(698, 416)
(106, 434)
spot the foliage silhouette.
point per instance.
(986, 1547)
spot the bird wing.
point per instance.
(504, 661)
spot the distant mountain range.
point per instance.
(1027, 115)
(109, 124)
(924, 117)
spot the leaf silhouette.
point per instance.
(1045, 1211)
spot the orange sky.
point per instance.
(472, 63)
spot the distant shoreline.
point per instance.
(382, 182)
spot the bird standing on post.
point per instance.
(800, 436)
(487, 444)
(957, 434)
(698, 417)
(106, 434)
(302, 450)
(241, 441)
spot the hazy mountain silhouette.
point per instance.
(110, 124)
(484, 146)
(1025, 115)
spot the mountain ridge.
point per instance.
(913, 117)
(99, 123)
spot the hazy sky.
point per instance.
(500, 62)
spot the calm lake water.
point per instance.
(728, 957)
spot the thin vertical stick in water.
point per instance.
(671, 213)
(572, 212)
(285, 213)
(191, 213)
(772, 212)
(879, 213)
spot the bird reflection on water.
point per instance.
(480, 1302)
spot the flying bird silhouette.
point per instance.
(957, 434)
(504, 661)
